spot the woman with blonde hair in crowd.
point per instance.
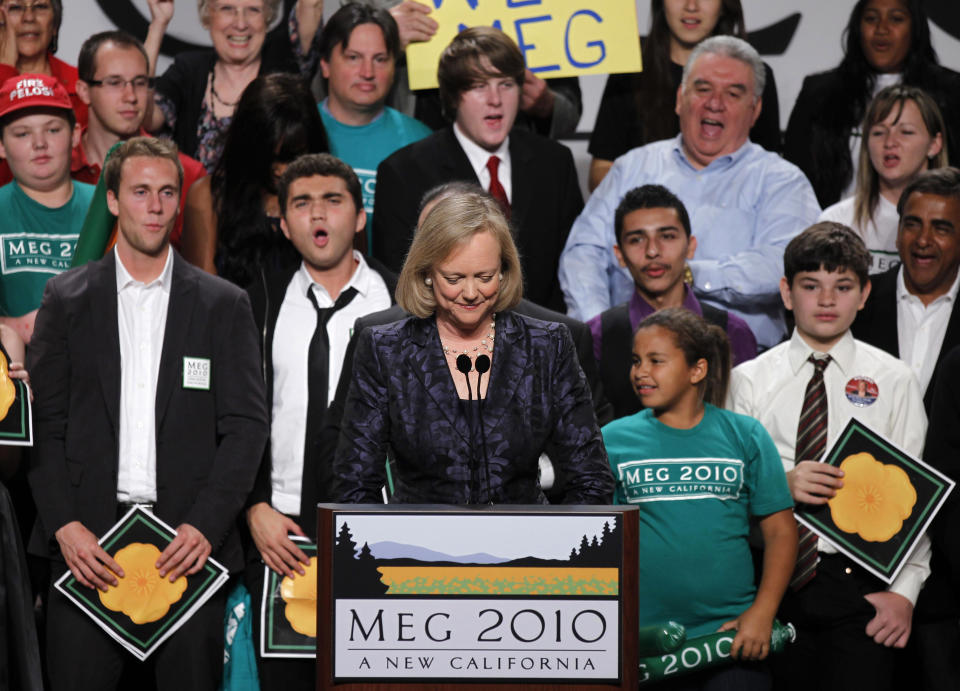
(904, 135)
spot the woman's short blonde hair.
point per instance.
(270, 9)
(450, 223)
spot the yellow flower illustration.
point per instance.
(142, 594)
(300, 594)
(8, 392)
(875, 498)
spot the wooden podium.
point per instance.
(495, 597)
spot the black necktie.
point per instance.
(318, 359)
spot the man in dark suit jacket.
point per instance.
(480, 76)
(148, 391)
(912, 311)
(912, 314)
(322, 211)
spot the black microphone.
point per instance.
(464, 365)
(483, 366)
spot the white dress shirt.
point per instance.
(141, 321)
(291, 342)
(478, 157)
(920, 330)
(771, 388)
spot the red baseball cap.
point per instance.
(32, 91)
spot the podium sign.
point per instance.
(502, 595)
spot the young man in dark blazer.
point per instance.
(322, 212)
(481, 75)
(147, 391)
(912, 311)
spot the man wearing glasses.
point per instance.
(116, 89)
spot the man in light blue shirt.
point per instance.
(745, 202)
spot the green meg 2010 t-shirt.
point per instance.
(36, 242)
(696, 490)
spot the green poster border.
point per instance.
(310, 549)
(856, 428)
(96, 608)
(23, 395)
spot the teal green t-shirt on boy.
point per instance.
(363, 147)
(696, 490)
(36, 242)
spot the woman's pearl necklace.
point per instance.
(486, 342)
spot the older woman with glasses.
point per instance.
(197, 95)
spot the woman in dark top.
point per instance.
(276, 121)
(638, 108)
(887, 42)
(410, 395)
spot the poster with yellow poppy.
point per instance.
(143, 609)
(887, 501)
(288, 609)
(16, 422)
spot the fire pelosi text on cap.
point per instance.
(32, 91)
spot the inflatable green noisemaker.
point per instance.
(712, 650)
(97, 225)
(660, 638)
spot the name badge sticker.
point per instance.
(862, 391)
(196, 373)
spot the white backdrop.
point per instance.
(815, 45)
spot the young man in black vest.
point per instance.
(653, 243)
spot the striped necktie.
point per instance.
(811, 443)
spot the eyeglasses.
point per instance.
(119, 83)
(18, 9)
(232, 12)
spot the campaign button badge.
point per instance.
(862, 391)
(196, 373)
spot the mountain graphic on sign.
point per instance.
(389, 567)
(399, 550)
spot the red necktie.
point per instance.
(496, 189)
(811, 443)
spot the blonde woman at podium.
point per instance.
(465, 394)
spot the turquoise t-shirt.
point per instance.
(364, 147)
(696, 490)
(36, 242)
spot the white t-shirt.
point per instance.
(879, 234)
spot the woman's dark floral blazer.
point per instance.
(403, 402)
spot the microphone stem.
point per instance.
(483, 440)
